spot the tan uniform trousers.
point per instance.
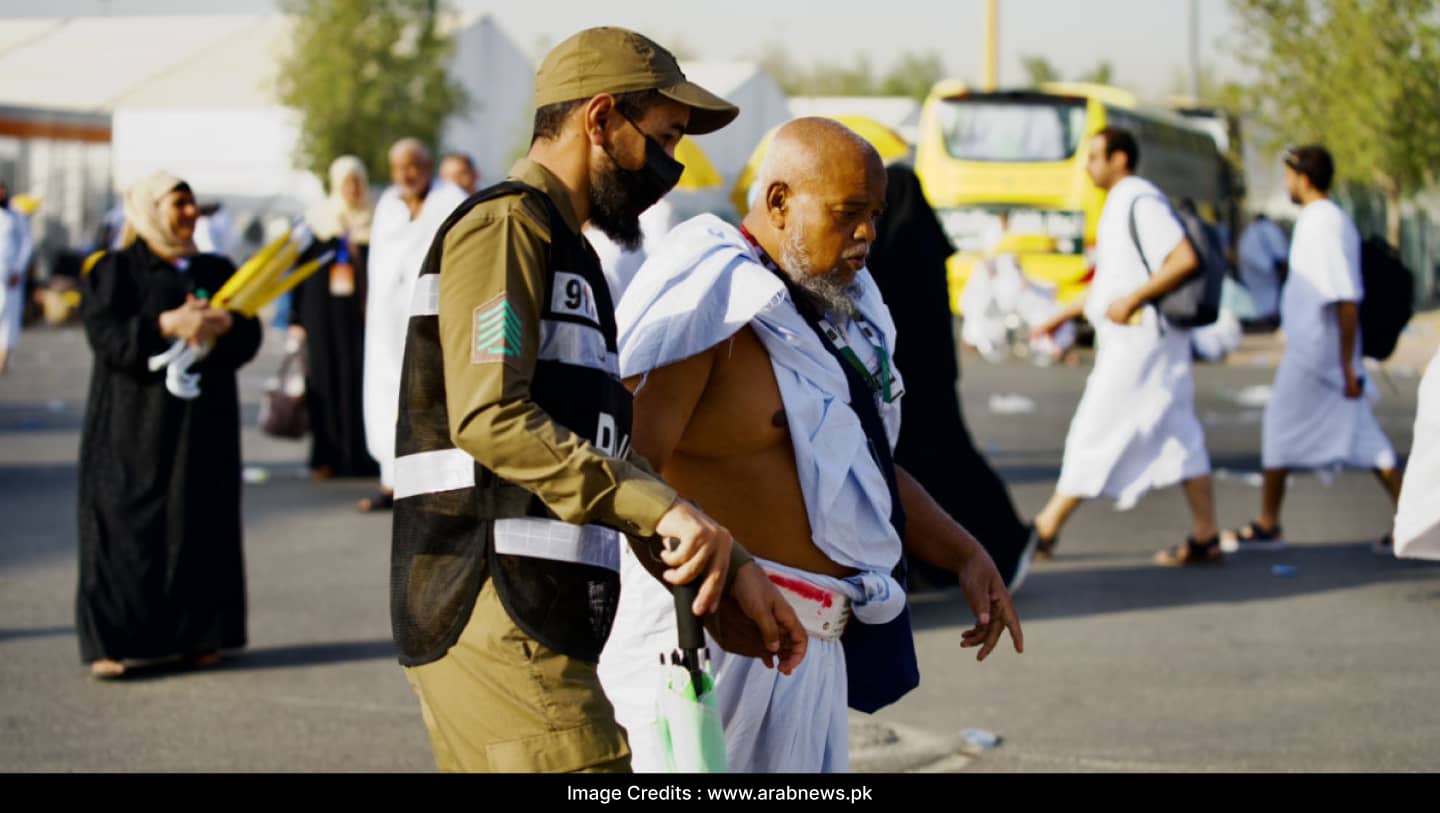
(499, 701)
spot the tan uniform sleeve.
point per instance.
(493, 273)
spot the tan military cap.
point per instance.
(616, 60)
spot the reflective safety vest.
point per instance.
(456, 523)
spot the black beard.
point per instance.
(612, 210)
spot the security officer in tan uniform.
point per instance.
(514, 476)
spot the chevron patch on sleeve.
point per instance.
(495, 335)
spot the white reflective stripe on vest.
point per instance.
(576, 344)
(560, 541)
(426, 299)
(433, 472)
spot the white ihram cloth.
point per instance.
(702, 284)
(1417, 520)
(1135, 428)
(773, 723)
(1309, 423)
(398, 246)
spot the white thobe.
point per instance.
(1309, 423)
(398, 246)
(1135, 428)
(17, 248)
(1262, 245)
(1417, 520)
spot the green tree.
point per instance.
(364, 74)
(1038, 70)
(913, 75)
(1101, 74)
(1214, 89)
(1360, 76)
(774, 60)
(856, 79)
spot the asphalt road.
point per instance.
(1128, 667)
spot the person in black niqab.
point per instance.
(907, 261)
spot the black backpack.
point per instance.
(1389, 298)
(1196, 301)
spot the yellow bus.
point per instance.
(1013, 162)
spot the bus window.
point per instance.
(1012, 128)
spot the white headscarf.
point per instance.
(144, 219)
(334, 216)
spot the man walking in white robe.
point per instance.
(1417, 517)
(17, 247)
(1135, 428)
(1264, 253)
(406, 219)
(1319, 415)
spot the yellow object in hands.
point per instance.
(249, 269)
(246, 299)
(284, 285)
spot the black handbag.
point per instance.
(283, 413)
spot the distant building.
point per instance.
(90, 104)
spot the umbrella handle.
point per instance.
(692, 632)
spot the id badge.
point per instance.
(342, 279)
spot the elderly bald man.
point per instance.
(764, 391)
(406, 218)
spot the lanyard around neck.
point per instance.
(882, 381)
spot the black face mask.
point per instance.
(648, 184)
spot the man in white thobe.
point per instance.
(1417, 517)
(17, 248)
(406, 219)
(620, 264)
(1135, 428)
(1319, 414)
(1264, 253)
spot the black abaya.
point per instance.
(333, 315)
(161, 567)
(907, 261)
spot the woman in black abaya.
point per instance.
(161, 568)
(907, 261)
(328, 314)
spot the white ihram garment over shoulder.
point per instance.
(703, 283)
(1135, 428)
(397, 250)
(1417, 520)
(1309, 423)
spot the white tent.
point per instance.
(196, 95)
(239, 75)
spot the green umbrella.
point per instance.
(689, 734)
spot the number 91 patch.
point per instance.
(572, 296)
